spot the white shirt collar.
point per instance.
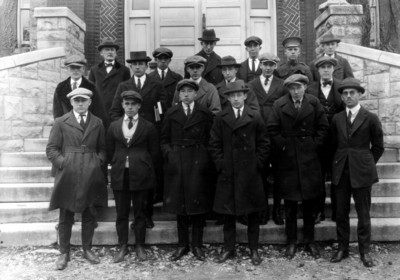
(231, 81)
(197, 81)
(77, 116)
(353, 110)
(142, 79)
(191, 105)
(134, 117)
(235, 110)
(112, 62)
(262, 78)
(160, 72)
(78, 82)
(333, 55)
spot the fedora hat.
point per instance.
(138, 56)
(351, 83)
(208, 35)
(107, 42)
(237, 86)
(329, 38)
(228, 61)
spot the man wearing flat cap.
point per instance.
(240, 147)
(207, 95)
(189, 170)
(164, 74)
(342, 70)
(298, 127)
(292, 65)
(152, 67)
(326, 90)
(109, 72)
(77, 150)
(250, 69)
(133, 148)
(268, 88)
(358, 136)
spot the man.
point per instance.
(61, 104)
(250, 69)
(77, 149)
(268, 88)
(239, 145)
(329, 44)
(132, 145)
(326, 90)
(298, 127)
(152, 67)
(189, 173)
(108, 73)
(164, 74)
(292, 65)
(210, 73)
(358, 135)
(207, 95)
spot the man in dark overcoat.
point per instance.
(109, 72)
(240, 146)
(250, 68)
(77, 149)
(189, 173)
(358, 135)
(326, 90)
(133, 147)
(298, 127)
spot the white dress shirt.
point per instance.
(256, 63)
(231, 81)
(128, 133)
(266, 87)
(109, 68)
(78, 116)
(326, 89)
(160, 72)
(185, 107)
(78, 82)
(236, 111)
(354, 112)
(142, 80)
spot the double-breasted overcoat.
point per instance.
(169, 83)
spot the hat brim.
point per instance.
(296, 82)
(268, 60)
(358, 88)
(166, 54)
(75, 64)
(244, 90)
(196, 88)
(133, 98)
(80, 95)
(225, 65)
(325, 62)
(108, 45)
(208, 39)
(147, 59)
(194, 63)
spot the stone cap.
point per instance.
(54, 12)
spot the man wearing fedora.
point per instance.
(109, 72)
(250, 69)
(239, 146)
(329, 44)
(358, 136)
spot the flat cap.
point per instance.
(236, 86)
(292, 42)
(76, 60)
(296, 79)
(351, 83)
(162, 51)
(254, 39)
(329, 38)
(195, 59)
(131, 94)
(268, 57)
(187, 82)
(325, 59)
(80, 92)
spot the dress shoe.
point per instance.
(291, 250)
(339, 256)
(255, 257)
(199, 254)
(120, 255)
(276, 216)
(224, 256)
(149, 222)
(179, 253)
(367, 260)
(242, 220)
(220, 221)
(318, 218)
(91, 257)
(313, 250)
(62, 262)
(264, 217)
(141, 253)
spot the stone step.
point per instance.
(384, 188)
(390, 155)
(35, 144)
(43, 234)
(25, 175)
(25, 159)
(388, 170)
(46, 131)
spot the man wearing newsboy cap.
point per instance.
(250, 68)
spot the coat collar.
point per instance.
(289, 109)
(90, 126)
(101, 71)
(228, 116)
(360, 118)
(260, 92)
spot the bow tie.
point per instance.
(324, 84)
(108, 64)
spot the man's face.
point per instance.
(267, 68)
(208, 46)
(139, 68)
(253, 49)
(292, 53)
(76, 72)
(108, 53)
(326, 71)
(297, 91)
(163, 61)
(237, 99)
(351, 97)
(329, 48)
(229, 72)
(131, 107)
(81, 105)
(195, 71)
(187, 94)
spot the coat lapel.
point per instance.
(343, 123)
(138, 131)
(260, 92)
(168, 79)
(272, 88)
(228, 116)
(202, 91)
(180, 115)
(244, 119)
(360, 118)
(195, 118)
(71, 120)
(211, 63)
(120, 132)
(90, 126)
(288, 108)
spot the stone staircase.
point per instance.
(26, 186)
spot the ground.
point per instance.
(36, 263)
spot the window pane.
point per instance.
(25, 24)
(25, 3)
(140, 4)
(259, 4)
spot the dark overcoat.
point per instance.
(296, 139)
(189, 173)
(107, 83)
(239, 150)
(362, 149)
(76, 156)
(211, 73)
(342, 69)
(169, 83)
(288, 68)
(251, 99)
(244, 71)
(142, 150)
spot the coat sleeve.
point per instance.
(310, 76)
(102, 145)
(213, 102)
(321, 125)
(334, 132)
(116, 110)
(153, 144)
(97, 107)
(347, 71)
(165, 136)
(215, 143)
(127, 75)
(376, 136)
(92, 77)
(57, 105)
(274, 128)
(252, 101)
(54, 145)
(263, 142)
(110, 143)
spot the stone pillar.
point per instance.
(60, 27)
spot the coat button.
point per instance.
(304, 138)
(304, 123)
(245, 148)
(244, 135)
(196, 162)
(183, 147)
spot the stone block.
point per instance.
(373, 67)
(394, 74)
(5, 130)
(398, 129)
(378, 85)
(369, 104)
(58, 35)
(50, 89)
(392, 141)
(14, 145)
(12, 107)
(337, 20)
(1, 107)
(359, 75)
(395, 89)
(4, 89)
(38, 119)
(389, 109)
(49, 76)
(49, 108)
(14, 72)
(27, 88)
(4, 76)
(353, 31)
(389, 128)
(51, 44)
(48, 65)
(27, 132)
(52, 24)
(34, 105)
(356, 63)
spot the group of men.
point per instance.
(219, 140)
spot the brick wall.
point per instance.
(77, 6)
(92, 20)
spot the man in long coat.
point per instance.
(189, 184)
(250, 68)
(298, 127)
(239, 145)
(77, 149)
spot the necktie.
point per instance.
(74, 85)
(238, 115)
(324, 84)
(82, 122)
(139, 84)
(297, 105)
(130, 124)
(349, 118)
(266, 81)
(188, 112)
(108, 64)
(253, 65)
(162, 75)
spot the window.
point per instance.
(259, 4)
(23, 22)
(140, 5)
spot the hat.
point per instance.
(228, 61)
(237, 86)
(208, 35)
(138, 56)
(268, 57)
(254, 39)
(325, 59)
(107, 42)
(153, 65)
(292, 42)
(162, 51)
(351, 83)
(187, 82)
(329, 38)
(80, 92)
(296, 79)
(130, 94)
(76, 60)
(195, 60)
